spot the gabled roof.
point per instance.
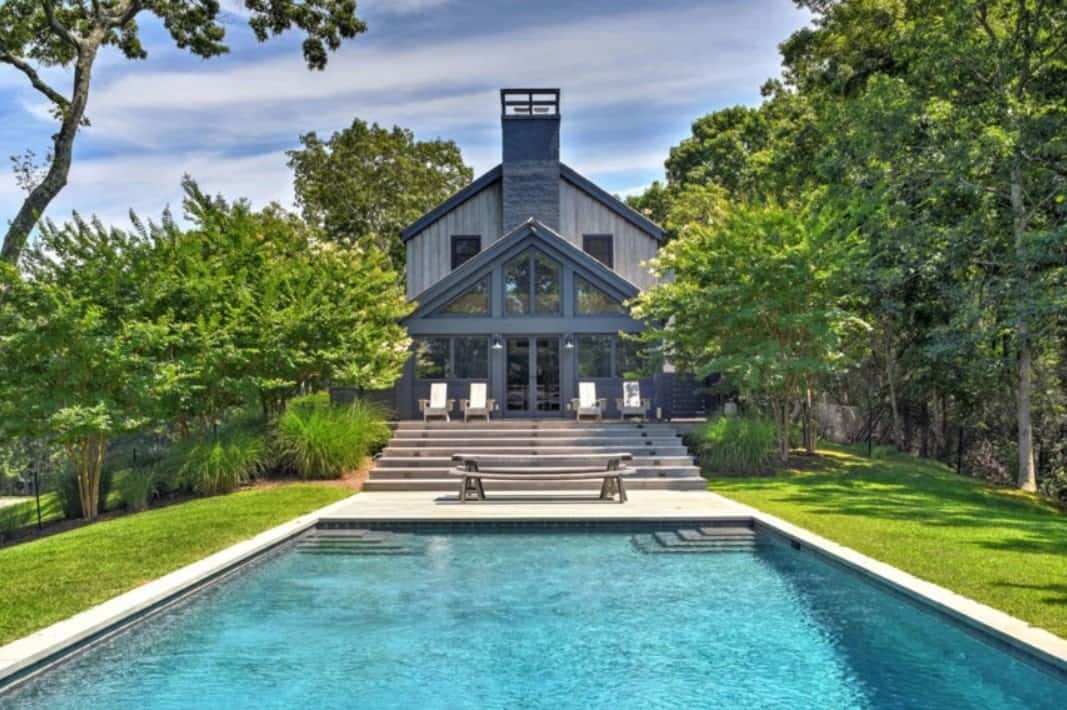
(566, 172)
(617, 206)
(451, 203)
(529, 233)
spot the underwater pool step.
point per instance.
(701, 540)
(359, 542)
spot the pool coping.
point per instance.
(25, 657)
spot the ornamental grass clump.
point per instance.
(219, 462)
(315, 439)
(736, 446)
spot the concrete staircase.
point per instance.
(419, 456)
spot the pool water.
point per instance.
(543, 620)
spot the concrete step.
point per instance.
(451, 484)
(501, 424)
(406, 451)
(674, 471)
(536, 433)
(445, 462)
(527, 440)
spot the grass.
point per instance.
(997, 546)
(24, 513)
(53, 578)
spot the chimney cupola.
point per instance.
(530, 122)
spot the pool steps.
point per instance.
(697, 540)
(419, 455)
(359, 542)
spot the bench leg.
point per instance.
(605, 488)
(463, 490)
(622, 489)
(481, 488)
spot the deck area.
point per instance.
(535, 506)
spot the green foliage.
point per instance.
(69, 494)
(318, 440)
(366, 183)
(137, 487)
(87, 566)
(756, 296)
(219, 462)
(735, 445)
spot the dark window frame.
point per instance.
(624, 312)
(590, 239)
(530, 255)
(460, 238)
(616, 341)
(450, 359)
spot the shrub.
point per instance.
(318, 440)
(70, 498)
(136, 486)
(14, 517)
(735, 445)
(214, 463)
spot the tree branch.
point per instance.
(57, 27)
(35, 79)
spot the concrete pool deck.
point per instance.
(28, 655)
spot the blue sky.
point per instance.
(634, 75)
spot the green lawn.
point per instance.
(53, 578)
(993, 545)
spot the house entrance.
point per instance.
(533, 380)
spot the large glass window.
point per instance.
(546, 285)
(471, 357)
(532, 284)
(431, 358)
(626, 357)
(594, 355)
(474, 301)
(463, 357)
(517, 285)
(592, 300)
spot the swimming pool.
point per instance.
(542, 619)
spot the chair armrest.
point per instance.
(618, 403)
(490, 404)
(464, 403)
(450, 404)
(423, 404)
(602, 403)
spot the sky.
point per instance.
(633, 75)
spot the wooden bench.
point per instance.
(473, 468)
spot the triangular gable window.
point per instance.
(473, 301)
(591, 300)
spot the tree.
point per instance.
(755, 296)
(76, 361)
(369, 182)
(956, 108)
(70, 33)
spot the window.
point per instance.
(600, 247)
(464, 247)
(627, 358)
(473, 301)
(431, 358)
(517, 285)
(592, 300)
(532, 284)
(546, 284)
(594, 355)
(463, 357)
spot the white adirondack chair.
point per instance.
(631, 404)
(478, 405)
(586, 403)
(438, 405)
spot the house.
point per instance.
(520, 277)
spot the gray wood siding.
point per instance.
(580, 214)
(429, 257)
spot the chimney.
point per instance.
(530, 122)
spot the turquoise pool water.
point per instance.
(543, 620)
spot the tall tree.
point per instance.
(37, 34)
(755, 296)
(369, 182)
(959, 111)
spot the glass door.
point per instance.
(533, 381)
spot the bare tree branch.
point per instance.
(35, 79)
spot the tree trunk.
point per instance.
(891, 376)
(809, 423)
(1027, 478)
(41, 196)
(781, 419)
